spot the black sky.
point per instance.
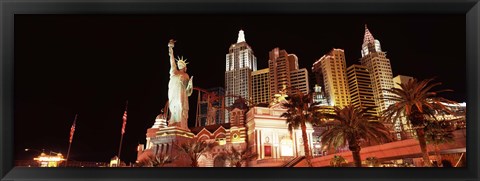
(91, 64)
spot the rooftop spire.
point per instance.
(241, 36)
(368, 37)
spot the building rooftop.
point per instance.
(211, 128)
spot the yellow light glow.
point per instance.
(49, 159)
(286, 147)
(222, 141)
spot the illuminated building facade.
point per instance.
(380, 69)
(232, 134)
(360, 87)
(240, 62)
(268, 135)
(299, 80)
(260, 86)
(284, 70)
(263, 128)
(319, 96)
(45, 160)
(226, 135)
(333, 67)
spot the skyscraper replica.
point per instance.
(360, 87)
(377, 63)
(261, 86)
(333, 68)
(284, 71)
(240, 62)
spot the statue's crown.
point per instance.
(181, 63)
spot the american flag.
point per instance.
(72, 129)
(124, 121)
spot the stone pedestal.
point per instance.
(174, 131)
(167, 142)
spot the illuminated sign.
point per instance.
(49, 160)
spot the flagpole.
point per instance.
(71, 140)
(120, 150)
(68, 154)
(121, 138)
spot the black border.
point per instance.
(8, 8)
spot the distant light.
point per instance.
(49, 159)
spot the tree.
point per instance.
(417, 102)
(338, 161)
(195, 149)
(299, 112)
(437, 133)
(156, 161)
(350, 126)
(237, 157)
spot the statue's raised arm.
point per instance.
(173, 65)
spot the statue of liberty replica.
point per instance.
(180, 87)
(163, 140)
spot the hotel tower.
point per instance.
(378, 65)
(284, 71)
(240, 63)
(360, 87)
(333, 67)
(261, 86)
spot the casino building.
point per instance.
(248, 126)
(260, 129)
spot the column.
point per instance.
(262, 148)
(257, 142)
(275, 143)
(310, 142)
(295, 144)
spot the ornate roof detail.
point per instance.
(241, 36)
(368, 37)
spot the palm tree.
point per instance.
(237, 157)
(437, 133)
(351, 125)
(299, 113)
(156, 161)
(338, 161)
(195, 149)
(161, 160)
(417, 102)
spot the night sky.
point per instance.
(91, 64)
